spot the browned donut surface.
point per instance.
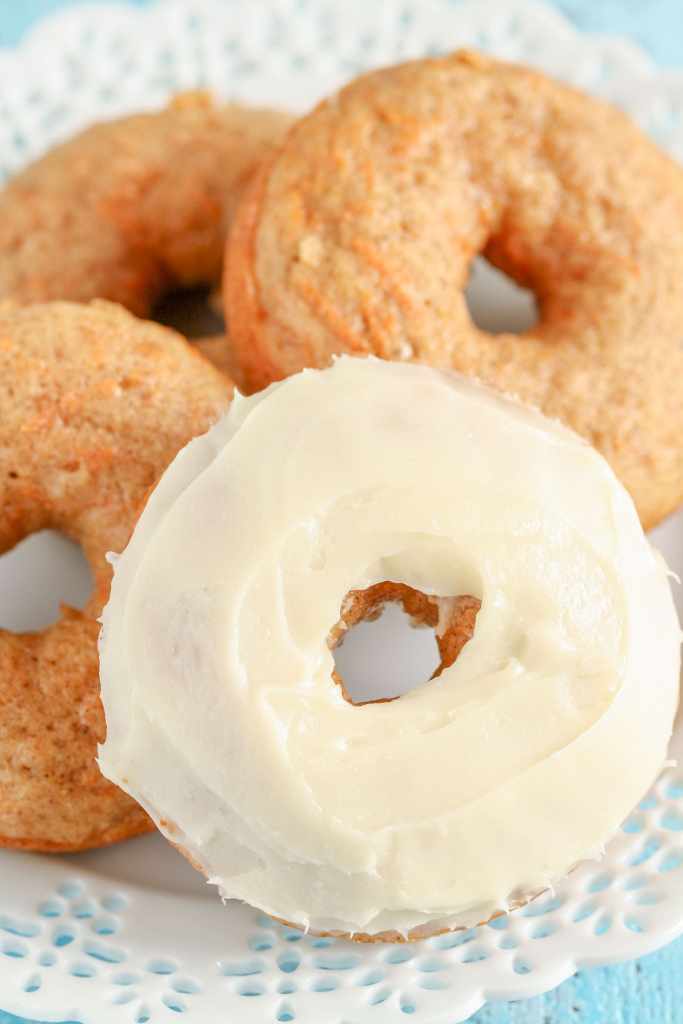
(95, 404)
(131, 208)
(358, 236)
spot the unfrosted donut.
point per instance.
(131, 208)
(358, 234)
(95, 404)
(315, 499)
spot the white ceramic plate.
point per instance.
(132, 933)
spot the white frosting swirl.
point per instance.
(490, 782)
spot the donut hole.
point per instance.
(496, 303)
(39, 574)
(386, 657)
(194, 312)
(392, 639)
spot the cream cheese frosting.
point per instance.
(463, 796)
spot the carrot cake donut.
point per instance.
(95, 404)
(358, 233)
(438, 809)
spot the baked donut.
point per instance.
(357, 236)
(132, 208)
(439, 809)
(94, 404)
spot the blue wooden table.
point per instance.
(650, 990)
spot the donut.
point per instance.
(319, 498)
(95, 404)
(358, 233)
(130, 209)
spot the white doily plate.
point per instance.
(131, 934)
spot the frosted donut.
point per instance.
(129, 209)
(95, 404)
(443, 807)
(357, 236)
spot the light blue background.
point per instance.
(650, 990)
